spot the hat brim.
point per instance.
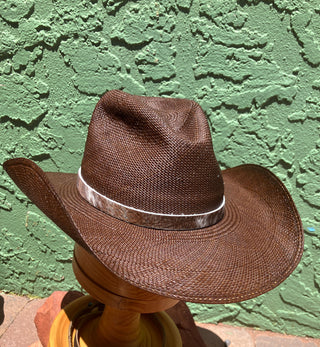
(255, 247)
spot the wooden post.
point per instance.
(130, 316)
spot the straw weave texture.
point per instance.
(156, 154)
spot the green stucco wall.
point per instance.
(252, 65)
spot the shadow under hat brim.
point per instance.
(255, 247)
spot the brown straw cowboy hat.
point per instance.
(151, 204)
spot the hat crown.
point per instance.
(153, 154)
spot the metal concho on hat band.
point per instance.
(145, 218)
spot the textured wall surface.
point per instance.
(252, 65)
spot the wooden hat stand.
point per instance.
(128, 317)
(118, 314)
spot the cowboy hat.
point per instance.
(152, 205)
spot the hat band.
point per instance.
(145, 218)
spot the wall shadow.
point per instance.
(1, 309)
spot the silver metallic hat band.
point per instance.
(145, 218)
